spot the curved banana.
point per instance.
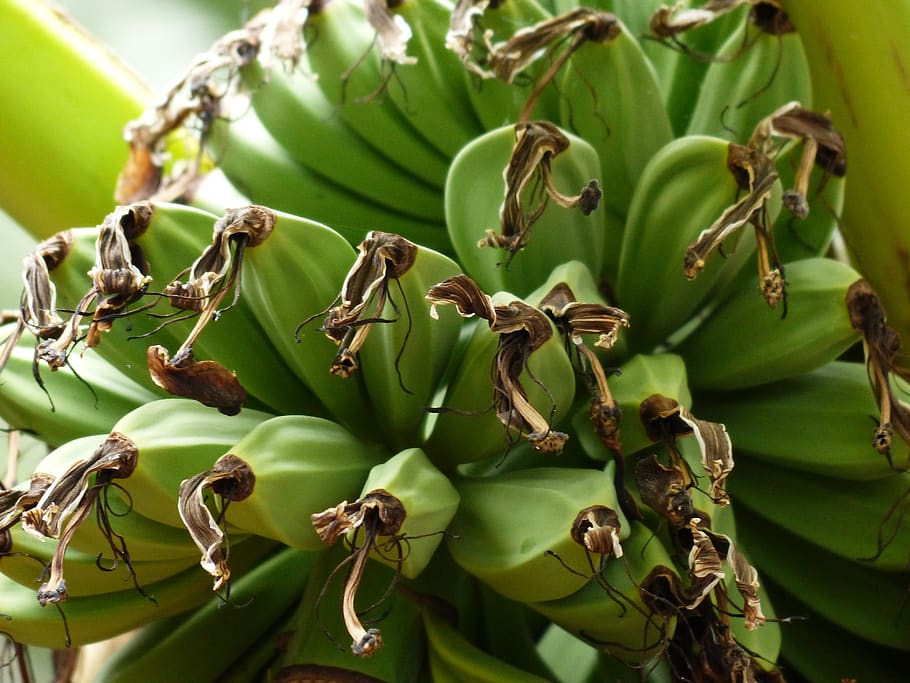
(819, 423)
(206, 644)
(506, 525)
(816, 330)
(478, 172)
(176, 439)
(98, 617)
(352, 76)
(251, 158)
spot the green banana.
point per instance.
(434, 83)
(861, 599)
(204, 645)
(27, 559)
(176, 438)
(306, 124)
(607, 88)
(636, 379)
(813, 649)
(505, 526)
(683, 189)
(403, 361)
(819, 422)
(454, 658)
(318, 460)
(86, 397)
(737, 93)
(610, 613)
(125, 610)
(497, 103)
(470, 399)
(864, 520)
(251, 158)
(816, 330)
(346, 45)
(477, 172)
(291, 278)
(865, 90)
(429, 500)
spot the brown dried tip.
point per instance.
(597, 529)
(755, 173)
(747, 583)
(537, 143)
(68, 501)
(881, 346)
(379, 513)
(382, 256)
(664, 490)
(233, 480)
(14, 502)
(822, 145)
(522, 330)
(705, 566)
(665, 420)
(206, 381)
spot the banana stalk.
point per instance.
(859, 61)
(76, 162)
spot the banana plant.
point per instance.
(519, 333)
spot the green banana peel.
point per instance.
(860, 65)
(65, 101)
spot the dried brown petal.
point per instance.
(14, 502)
(747, 583)
(206, 381)
(597, 529)
(378, 513)
(756, 174)
(392, 32)
(664, 489)
(68, 501)
(467, 297)
(537, 143)
(233, 480)
(382, 257)
(705, 566)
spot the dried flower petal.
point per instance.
(206, 381)
(233, 480)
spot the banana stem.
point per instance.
(65, 102)
(860, 65)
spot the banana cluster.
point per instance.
(480, 374)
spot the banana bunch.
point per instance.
(526, 342)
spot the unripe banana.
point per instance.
(144, 538)
(611, 613)
(352, 76)
(818, 422)
(296, 112)
(429, 500)
(26, 561)
(402, 360)
(434, 83)
(861, 521)
(99, 617)
(205, 644)
(683, 190)
(862, 599)
(497, 103)
(607, 91)
(635, 380)
(506, 525)
(85, 398)
(176, 438)
(251, 158)
(453, 658)
(477, 172)
(816, 330)
(321, 462)
(737, 93)
(471, 399)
